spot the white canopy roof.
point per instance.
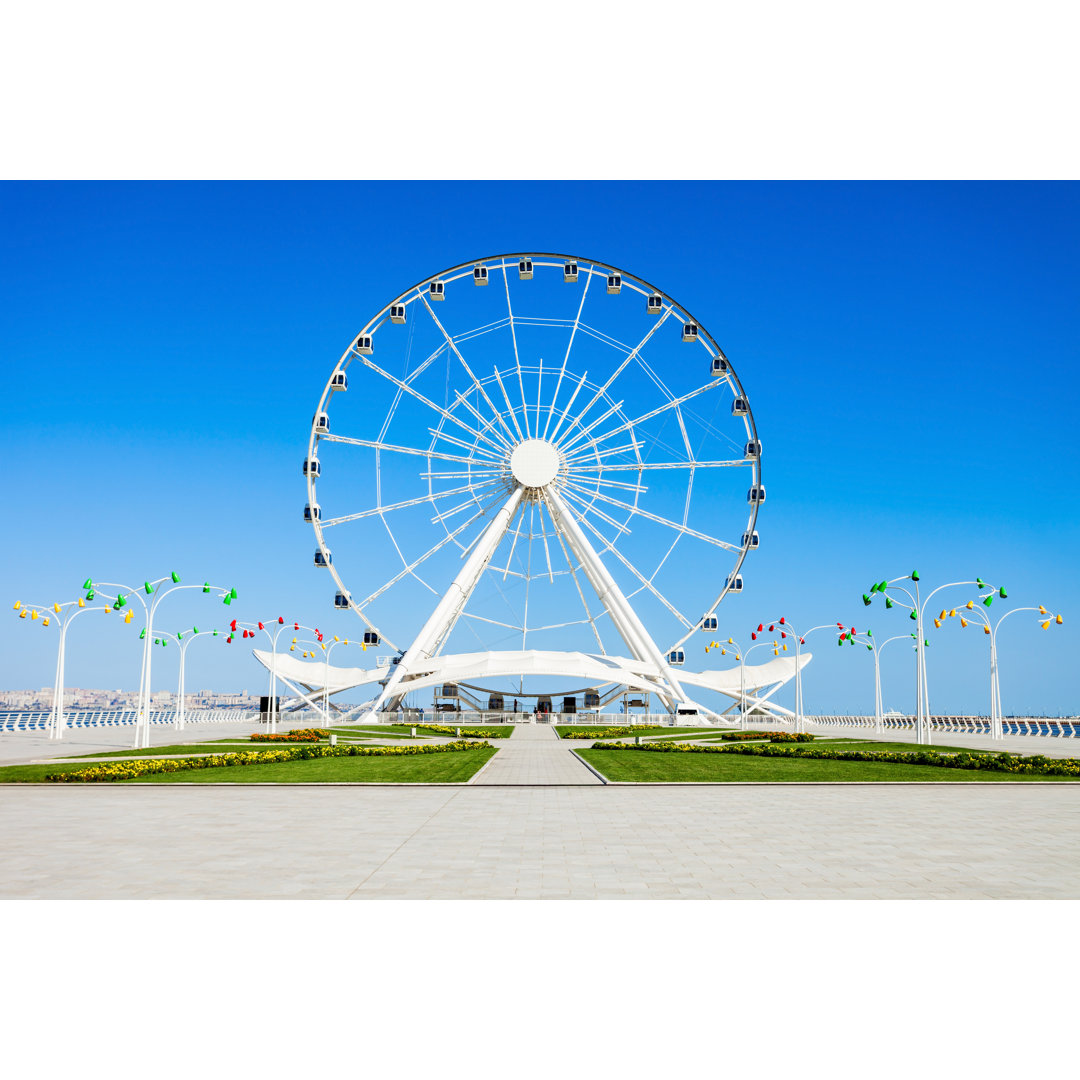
(581, 667)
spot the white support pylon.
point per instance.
(442, 619)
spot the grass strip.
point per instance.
(1033, 765)
(676, 768)
(132, 769)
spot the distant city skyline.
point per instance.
(909, 351)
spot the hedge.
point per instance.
(131, 769)
(310, 734)
(500, 732)
(772, 736)
(610, 732)
(1036, 765)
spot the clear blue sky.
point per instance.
(910, 351)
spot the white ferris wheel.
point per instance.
(534, 464)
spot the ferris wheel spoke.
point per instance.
(638, 489)
(415, 451)
(571, 439)
(472, 501)
(444, 413)
(517, 358)
(496, 415)
(658, 519)
(513, 543)
(509, 407)
(623, 366)
(582, 456)
(609, 545)
(486, 425)
(673, 404)
(562, 370)
(395, 506)
(573, 396)
(411, 567)
(494, 458)
(646, 465)
(588, 507)
(547, 550)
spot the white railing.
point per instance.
(23, 720)
(473, 718)
(1067, 727)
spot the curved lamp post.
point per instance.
(120, 600)
(916, 608)
(272, 631)
(63, 618)
(1046, 619)
(181, 689)
(876, 650)
(800, 640)
(742, 672)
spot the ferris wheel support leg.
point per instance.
(442, 619)
(625, 619)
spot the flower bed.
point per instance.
(772, 736)
(1036, 765)
(610, 732)
(299, 735)
(131, 769)
(501, 732)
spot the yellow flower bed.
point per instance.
(132, 769)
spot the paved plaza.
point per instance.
(534, 824)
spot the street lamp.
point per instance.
(120, 600)
(916, 608)
(63, 617)
(742, 673)
(273, 632)
(1046, 619)
(181, 689)
(800, 640)
(876, 650)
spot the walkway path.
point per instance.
(535, 755)
(789, 841)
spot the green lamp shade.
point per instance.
(215, 633)
(989, 600)
(979, 581)
(888, 602)
(840, 642)
(116, 605)
(866, 599)
(912, 615)
(870, 647)
(874, 587)
(869, 633)
(914, 575)
(882, 586)
(179, 636)
(206, 586)
(148, 587)
(90, 595)
(87, 584)
(175, 577)
(227, 599)
(1002, 593)
(232, 593)
(927, 644)
(142, 633)
(194, 629)
(120, 601)
(157, 641)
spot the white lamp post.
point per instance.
(181, 689)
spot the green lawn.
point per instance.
(867, 744)
(658, 767)
(454, 767)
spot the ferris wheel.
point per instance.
(534, 449)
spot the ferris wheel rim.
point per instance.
(500, 261)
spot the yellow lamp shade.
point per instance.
(1057, 619)
(127, 617)
(776, 652)
(1046, 625)
(986, 629)
(323, 647)
(1042, 610)
(364, 647)
(963, 621)
(336, 638)
(970, 605)
(785, 648)
(937, 622)
(18, 604)
(345, 642)
(737, 656)
(45, 621)
(952, 613)
(292, 648)
(82, 602)
(56, 608)
(730, 641)
(943, 614)
(294, 641)
(33, 614)
(723, 652)
(22, 614)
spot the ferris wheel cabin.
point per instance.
(654, 305)
(311, 512)
(751, 540)
(370, 637)
(689, 331)
(397, 313)
(312, 467)
(739, 407)
(525, 272)
(480, 275)
(363, 345)
(752, 449)
(719, 367)
(676, 657)
(341, 601)
(323, 559)
(756, 494)
(709, 624)
(570, 273)
(339, 380)
(734, 583)
(614, 284)
(437, 290)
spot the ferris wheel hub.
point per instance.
(535, 463)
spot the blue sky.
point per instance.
(909, 350)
